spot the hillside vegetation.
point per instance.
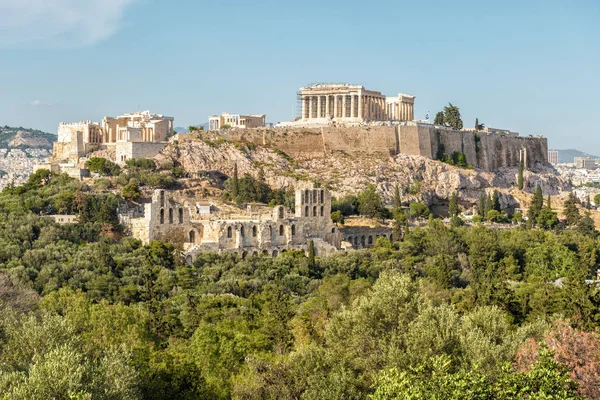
(440, 312)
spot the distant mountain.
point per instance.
(568, 156)
(179, 129)
(25, 138)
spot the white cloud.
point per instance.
(59, 23)
(40, 103)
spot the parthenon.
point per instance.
(353, 103)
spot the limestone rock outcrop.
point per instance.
(421, 178)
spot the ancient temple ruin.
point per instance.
(353, 103)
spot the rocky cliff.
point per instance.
(420, 177)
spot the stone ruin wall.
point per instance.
(487, 151)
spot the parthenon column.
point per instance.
(319, 105)
(310, 107)
(335, 106)
(411, 111)
(352, 104)
(304, 108)
(360, 106)
(327, 113)
(344, 99)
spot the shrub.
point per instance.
(419, 210)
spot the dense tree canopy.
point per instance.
(452, 312)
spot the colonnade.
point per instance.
(401, 111)
(357, 106)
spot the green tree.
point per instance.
(536, 206)
(453, 209)
(549, 202)
(493, 216)
(311, 255)
(337, 217)
(520, 175)
(102, 166)
(370, 203)
(547, 219)
(481, 206)
(476, 124)
(397, 197)
(489, 205)
(571, 211)
(131, 191)
(597, 200)
(452, 117)
(439, 118)
(235, 185)
(496, 201)
(419, 210)
(585, 225)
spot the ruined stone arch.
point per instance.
(322, 196)
(307, 196)
(265, 252)
(356, 241)
(170, 215)
(349, 239)
(275, 253)
(188, 259)
(322, 211)
(242, 231)
(362, 241)
(280, 212)
(192, 236)
(370, 240)
(162, 216)
(244, 255)
(281, 230)
(229, 232)
(255, 253)
(254, 231)
(306, 214)
(181, 215)
(162, 198)
(314, 211)
(293, 230)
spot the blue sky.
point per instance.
(530, 66)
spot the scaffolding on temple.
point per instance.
(298, 115)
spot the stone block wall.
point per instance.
(128, 150)
(487, 151)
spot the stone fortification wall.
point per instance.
(128, 150)
(488, 151)
(321, 141)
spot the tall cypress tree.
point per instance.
(549, 202)
(496, 201)
(481, 206)
(536, 206)
(520, 175)
(476, 124)
(489, 204)
(571, 212)
(311, 255)
(235, 187)
(397, 197)
(453, 209)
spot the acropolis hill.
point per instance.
(352, 119)
(335, 118)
